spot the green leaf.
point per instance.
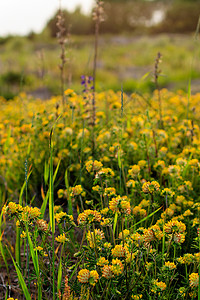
(115, 223)
(51, 196)
(21, 280)
(147, 217)
(44, 204)
(23, 188)
(70, 209)
(33, 253)
(46, 172)
(59, 275)
(1, 246)
(56, 171)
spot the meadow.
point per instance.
(99, 185)
(122, 59)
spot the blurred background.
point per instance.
(132, 34)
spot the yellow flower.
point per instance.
(120, 203)
(182, 291)
(194, 279)
(167, 192)
(109, 191)
(158, 286)
(126, 233)
(93, 166)
(130, 183)
(137, 210)
(161, 285)
(107, 245)
(104, 211)
(60, 193)
(187, 213)
(174, 226)
(32, 212)
(89, 216)
(117, 267)
(187, 259)
(169, 265)
(107, 272)
(83, 275)
(150, 187)
(180, 199)
(63, 216)
(42, 225)
(62, 238)
(106, 221)
(96, 188)
(118, 251)
(12, 208)
(134, 171)
(107, 172)
(152, 234)
(77, 190)
(57, 208)
(102, 261)
(142, 163)
(136, 297)
(23, 235)
(38, 248)
(97, 238)
(69, 92)
(113, 204)
(194, 163)
(94, 276)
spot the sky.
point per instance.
(23, 16)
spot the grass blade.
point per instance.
(46, 172)
(115, 223)
(23, 188)
(70, 209)
(21, 279)
(147, 217)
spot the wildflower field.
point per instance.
(100, 211)
(100, 191)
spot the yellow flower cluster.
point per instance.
(169, 265)
(118, 251)
(117, 267)
(93, 166)
(194, 279)
(134, 171)
(62, 238)
(86, 276)
(120, 204)
(77, 190)
(158, 286)
(105, 172)
(62, 216)
(150, 187)
(152, 234)
(88, 216)
(96, 238)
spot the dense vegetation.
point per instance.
(99, 188)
